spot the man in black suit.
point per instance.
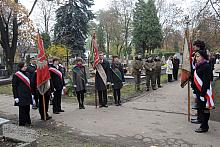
(100, 85)
(57, 85)
(31, 70)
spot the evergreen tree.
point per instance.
(46, 40)
(147, 32)
(138, 24)
(152, 28)
(71, 27)
(101, 38)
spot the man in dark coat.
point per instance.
(31, 70)
(40, 97)
(117, 79)
(176, 63)
(100, 85)
(21, 87)
(57, 85)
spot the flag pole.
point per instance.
(187, 37)
(44, 109)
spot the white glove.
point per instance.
(123, 83)
(112, 84)
(33, 101)
(202, 98)
(74, 86)
(150, 69)
(87, 84)
(54, 89)
(16, 100)
(64, 87)
(140, 69)
(52, 94)
(108, 83)
(194, 95)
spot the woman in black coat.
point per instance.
(22, 94)
(117, 79)
(202, 89)
(79, 81)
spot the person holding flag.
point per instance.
(42, 81)
(79, 81)
(117, 79)
(21, 88)
(203, 89)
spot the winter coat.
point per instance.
(150, 67)
(21, 90)
(57, 81)
(31, 70)
(117, 75)
(158, 66)
(176, 63)
(79, 78)
(169, 69)
(99, 84)
(137, 66)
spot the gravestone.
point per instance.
(2, 121)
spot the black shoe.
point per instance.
(159, 86)
(147, 89)
(201, 130)
(21, 124)
(56, 112)
(34, 107)
(83, 107)
(100, 106)
(195, 121)
(49, 117)
(116, 104)
(61, 110)
(106, 106)
(154, 89)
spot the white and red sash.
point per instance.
(56, 71)
(24, 78)
(209, 94)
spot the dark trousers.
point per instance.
(36, 98)
(158, 75)
(41, 107)
(169, 77)
(102, 97)
(57, 101)
(175, 74)
(24, 115)
(117, 96)
(80, 98)
(137, 81)
(204, 116)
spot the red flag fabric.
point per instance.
(95, 51)
(186, 70)
(190, 51)
(43, 74)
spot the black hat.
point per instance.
(200, 44)
(203, 54)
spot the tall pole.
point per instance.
(188, 89)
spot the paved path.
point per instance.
(155, 118)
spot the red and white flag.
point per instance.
(96, 62)
(43, 74)
(186, 70)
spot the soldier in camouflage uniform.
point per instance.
(136, 72)
(150, 67)
(158, 71)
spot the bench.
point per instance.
(2, 121)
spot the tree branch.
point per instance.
(214, 8)
(32, 8)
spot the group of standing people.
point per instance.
(114, 76)
(25, 91)
(152, 67)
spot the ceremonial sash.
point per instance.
(117, 73)
(56, 71)
(77, 70)
(102, 73)
(209, 95)
(24, 78)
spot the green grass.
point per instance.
(6, 89)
